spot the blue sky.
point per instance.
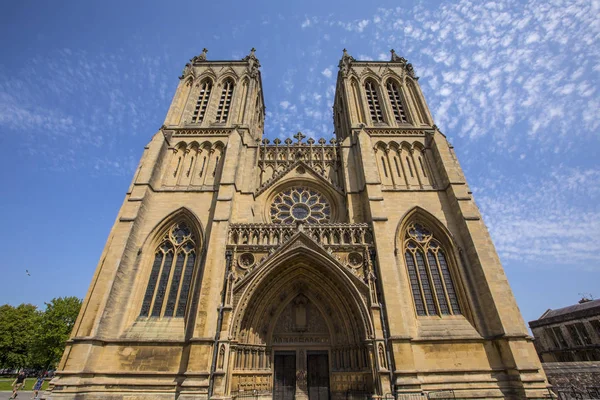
(513, 84)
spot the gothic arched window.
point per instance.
(429, 274)
(202, 103)
(396, 101)
(225, 101)
(373, 100)
(171, 275)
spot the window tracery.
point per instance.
(202, 103)
(429, 274)
(300, 204)
(396, 101)
(373, 101)
(171, 274)
(225, 101)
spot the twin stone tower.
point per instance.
(299, 269)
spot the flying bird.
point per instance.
(27, 272)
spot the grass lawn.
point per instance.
(6, 384)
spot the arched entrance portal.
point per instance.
(301, 330)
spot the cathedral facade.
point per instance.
(299, 269)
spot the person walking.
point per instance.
(38, 385)
(18, 384)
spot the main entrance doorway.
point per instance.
(284, 385)
(318, 375)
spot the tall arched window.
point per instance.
(396, 101)
(171, 275)
(373, 100)
(225, 101)
(202, 103)
(429, 274)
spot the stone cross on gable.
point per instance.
(299, 136)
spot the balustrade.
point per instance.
(273, 235)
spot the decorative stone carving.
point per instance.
(277, 160)
(300, 204)
(355, 260)
(345, 63)
(253, 63)
(246, 260)
(201, 57)
(397, 58)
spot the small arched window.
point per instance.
(225, 101)
(171, 275)
(429, 274)
(373, 100)
(396, 101)
(202, 103)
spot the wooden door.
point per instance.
(318, 376)
(284, 385)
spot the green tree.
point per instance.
(18, 327)
(56, 324)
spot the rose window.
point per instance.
(300, 204)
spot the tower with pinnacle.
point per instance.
(357, 266)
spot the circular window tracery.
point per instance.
(300, 204)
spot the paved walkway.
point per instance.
(23, 395)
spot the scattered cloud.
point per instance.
(545, 221)
(327, 72)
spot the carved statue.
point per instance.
(253, 63)
(200, 57)
(345, 62)
(397, 58)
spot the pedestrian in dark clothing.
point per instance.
(18, 384)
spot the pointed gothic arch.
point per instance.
(173, 252)
(396, 100)
(428, 253)
(203, 100)
(374, 100)
(224, 107)
(301, 298)
(304, 262)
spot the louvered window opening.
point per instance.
(429, 274)
(396, 100)
(202, 103)
(225, 101)
(373, 100)
(171, 275)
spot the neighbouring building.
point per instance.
(302, 269)
(569, 334)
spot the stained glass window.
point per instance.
(171, 274)
(430, 278)
(300, 204)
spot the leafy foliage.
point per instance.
(30, 338)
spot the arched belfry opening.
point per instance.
(301, 327)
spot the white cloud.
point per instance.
(362, 25)
(285, 104)
(327, 72)
(539, 221)
(305, 24)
